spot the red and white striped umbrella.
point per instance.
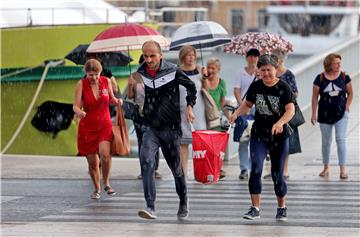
(126, 36)
(263, 41)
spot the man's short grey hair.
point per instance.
(152, 42)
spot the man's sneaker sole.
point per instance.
(183, 217)
(146, 215)
(251, 217)
(281, 219)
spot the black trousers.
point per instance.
(169, 141)
(139, 135)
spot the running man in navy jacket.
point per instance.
(162, 125)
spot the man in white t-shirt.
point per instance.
(242, 82)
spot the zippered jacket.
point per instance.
(162, 106)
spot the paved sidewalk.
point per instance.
(303, 167)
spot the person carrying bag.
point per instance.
(121, 143)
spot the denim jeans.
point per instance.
(244, 155)
(340, 137)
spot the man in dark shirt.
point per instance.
(162, 126)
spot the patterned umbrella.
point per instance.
(263, 41)
(126, 36)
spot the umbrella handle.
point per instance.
(201, 55)
(129, 56)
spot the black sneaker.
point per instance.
(281, 214)
(183, 211)
(244, 174)
(252, 214)
(147, 213)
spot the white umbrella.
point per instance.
(200, 35)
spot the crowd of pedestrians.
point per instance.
(171, 107)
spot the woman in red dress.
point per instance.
(92, 97)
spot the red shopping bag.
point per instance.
(209, 149)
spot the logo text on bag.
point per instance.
(199, 154)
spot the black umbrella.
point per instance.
(53, 117)
(109, 59)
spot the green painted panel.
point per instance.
(59, 73)
(30, 46)
(15, 99)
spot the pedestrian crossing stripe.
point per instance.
(321, 204)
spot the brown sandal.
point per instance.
(324, 173)
(344, 176)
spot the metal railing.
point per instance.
(305, 73)
(60, 16)
(80, 15)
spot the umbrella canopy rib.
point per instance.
(203, 44)
(125, 43)
(200, 34)
(200, 38)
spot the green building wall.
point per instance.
(29, 47)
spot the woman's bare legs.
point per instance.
(255, 200)
(281, 201)
(286, 168)
(105, 155)
(94, 170)
(184, 154)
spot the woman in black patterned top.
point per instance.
(274, 104)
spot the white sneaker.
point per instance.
(147, 213)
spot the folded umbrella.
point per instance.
(109, 59)
(52, 117)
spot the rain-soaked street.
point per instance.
(49, 196)
(56, 60)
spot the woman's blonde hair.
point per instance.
(92, 65)
(184, 51)
(280, 54)
(329, 59)
(215, 61)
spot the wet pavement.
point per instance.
(49, 196)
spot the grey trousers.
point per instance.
(169, 141)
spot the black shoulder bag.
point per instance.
(131, 109)
(298, 118)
